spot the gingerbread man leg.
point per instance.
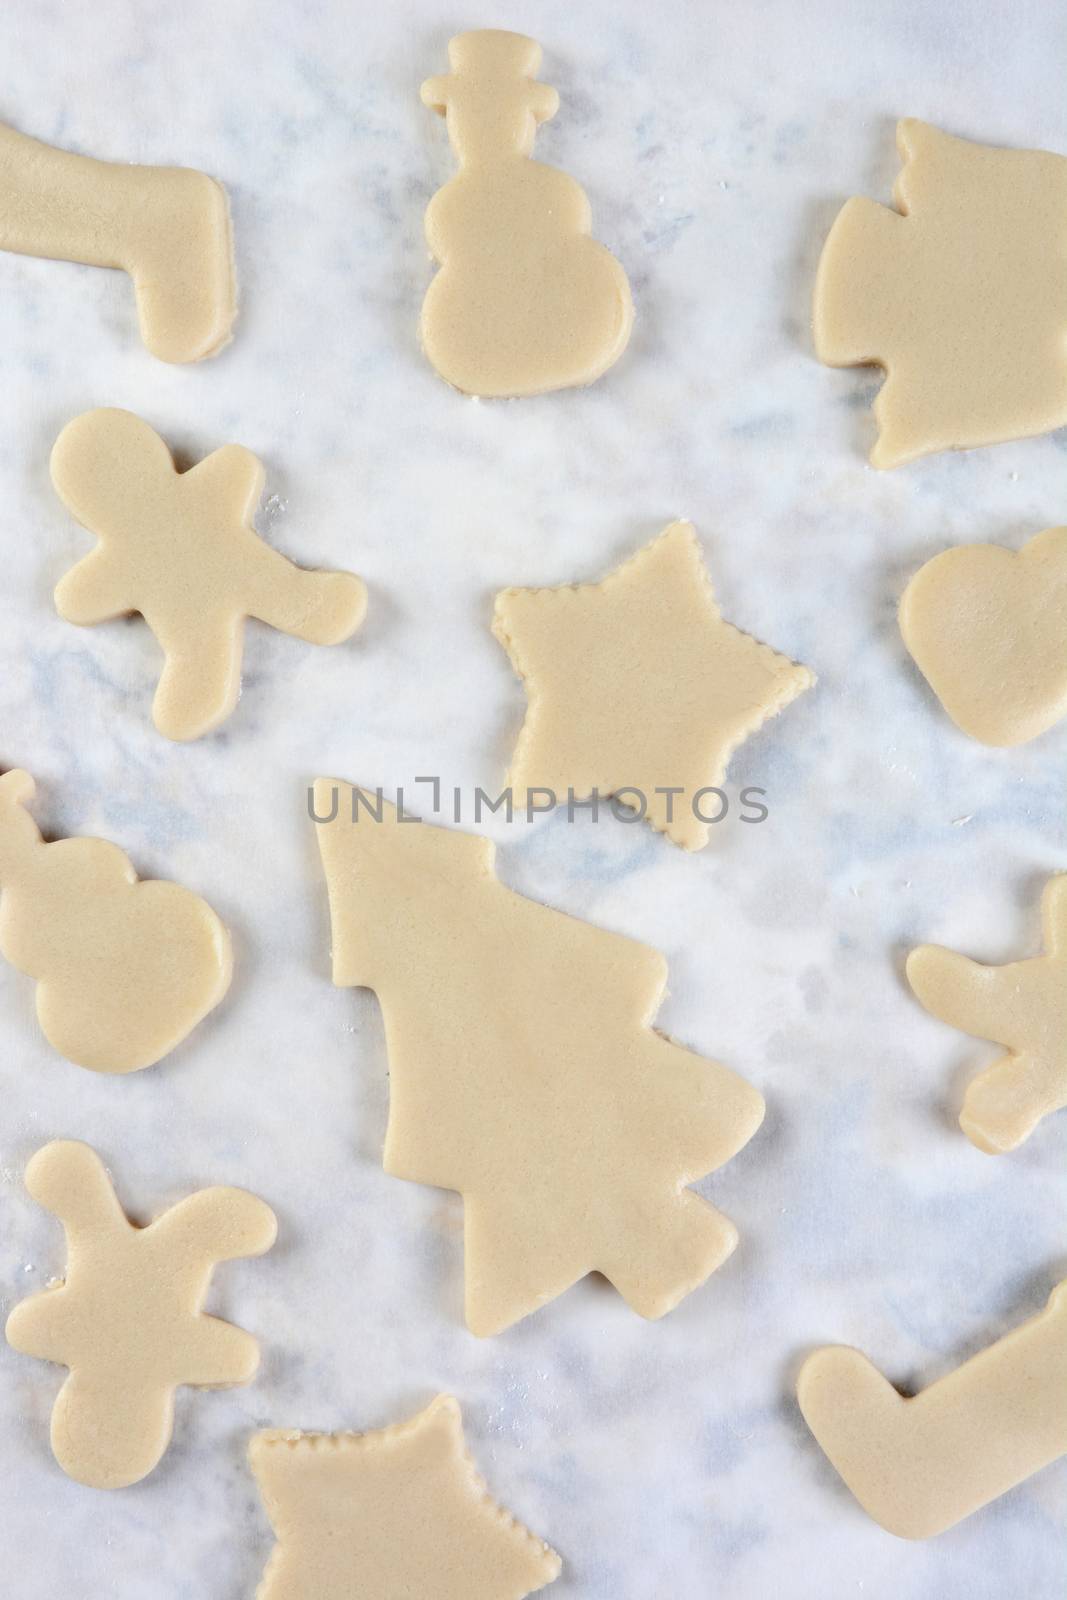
(168, 227)
(201, 677)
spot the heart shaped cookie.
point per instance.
(988, 631)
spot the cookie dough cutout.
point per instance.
(525, 1073)
(125, 969)
(1023, 1006)
(525, 300)
(168, 227)
(393, 1514)
(127, 1321)
(987, 629)
(920, 1465)
(180, 548)
(637, 684)
(960, 294)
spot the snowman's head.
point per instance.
(491, 98)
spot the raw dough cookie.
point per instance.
(988, 630)
(525, 300)
(168, 227)
(636, 683)
(918, 1466)
(960, 294)
(525, 1073)
(124, 969)
(180, 548)
(1023, 1006)
(392, 1515)
(127, 1320)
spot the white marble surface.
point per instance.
(667, 1460)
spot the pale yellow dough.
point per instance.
(988, 630)
(124, 969)
(525, 300)
(127, 1320)
(960, 294)
(1023, 1006)
(401, 1514)
(636, 683)
(180, 548)
(168, 227)
(524, 1072)
(918, 1466)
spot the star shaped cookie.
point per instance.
(392, 1515)
(638, 688)
(1023, 1006)
(127, 1320)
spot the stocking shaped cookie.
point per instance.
(124, 969)
(180, 548)
(168, 227)
(988, 630)
(918, 1466)
(638, 688)
(1023, 1006)
(525, 300)
(392, 1515)
(127, 1320)
(960, 294)
(524, 1071)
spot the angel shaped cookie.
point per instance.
(124, 969)
(398, 1513)
(168, 227)
(180, 548)
(1022, 1005)
(960, 293)
(525, 1071)
(127, 1320)
(525, 300)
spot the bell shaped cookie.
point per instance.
(168, 227)
(960, 293)
(638, 688)
(1023, 1006)
(391, 1515)
(525, 1071)
(124, 969)
(920, 1465)
(180, 548)
(127, 1319)
(987, 628)
(525, 301)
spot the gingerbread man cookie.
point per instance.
(960, 294)
(525, 1071)
(1022, 1005)
(525, 300)
(124, 969)
(180, 548)
(394, 1514)
(168, 227)
(127, 1321)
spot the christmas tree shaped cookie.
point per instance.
(168, 227)
(124, 969)
(1022, 1006)
(525, 300)
(525, 1072)
(959, 294)
(637, 686)
(920, 1465)
(987, 628)
(180, 548)
(390, 1515)
(127, 1321)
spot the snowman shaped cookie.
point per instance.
(525, 300)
